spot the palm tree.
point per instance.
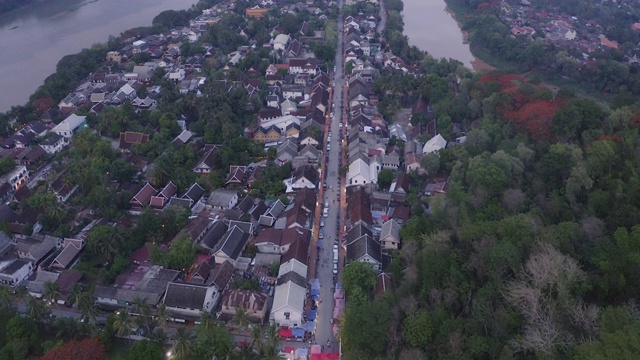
(208, 322)
(6, 295)
(87, 306)
(143, 310)
(122, 323)
(184, 343)
(75, 293)
(159, 337)
(241, 317)
(51, 292)
(67, 327)
(37, 311)
(273, 338)
(161, 315)
(256, 339)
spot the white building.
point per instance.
(434, 144)
(288, 302)
(16, 177)
(70, 125)
(190, 300)
(14, 271)
(281, 41)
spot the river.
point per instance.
(430, 26)
(35, 38)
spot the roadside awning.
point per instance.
(297, 332)
(312, 314)
(285, 333)
(309, 326)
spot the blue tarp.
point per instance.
(297, 332)
(309, 326)
(312, 314)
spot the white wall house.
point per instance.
(70, 125)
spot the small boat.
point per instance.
(15, 27)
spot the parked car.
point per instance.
(321, 234)
(335, 268)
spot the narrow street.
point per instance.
(332, 198)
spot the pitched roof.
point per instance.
(390, 228)
(143, 197)
(236, 174)
(298, 250)
(129, 138)
(72, 248)
(434, 144)
(245, 204)
(249, 300)
(194, 193)
(364, 245)
(307, 172)
(183, 295)
(233, 242)
(357, 231)
(358, 206)
(214, 234)
(221, 275)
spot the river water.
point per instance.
(431, 27)
(35, 38)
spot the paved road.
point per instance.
(383, 17)
(331, 197)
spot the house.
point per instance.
(36, 248)
(361, 172)
(36, 287)
(270, 214)
(206, 163)
(366, 250)
(223, 199)
(400, 184)
(236, 174)
(129, 138)
(70, 251)
(286, 152)
(289, 301)
(188, 301)
(231, 245)
(5, 243)
(63, 187)
(12, 272)
(305, 177)
(256, 12)
(16, 177)
(147, 283)
(193, 195)
(144, 73)
(213, 236)
(390, 235)
(53, 143)
(280, 42)
(303, 66)
(159, 200)
(267, 135)
(412, 162)
(142, 198)
(70, 126)
(288, 106)
(434, 144)
(253, 302)
(436, 187)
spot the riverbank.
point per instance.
(477, 64)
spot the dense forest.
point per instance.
(608, 73)
(533, 252)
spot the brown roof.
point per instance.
(249, 300)
(169, 190)
(298, 250)
(143, 197)
(128, 139)
(221, 275)
(359, 206)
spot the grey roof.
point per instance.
(188, 296)
(293, 276)
(37, 249)
(364, 245)
(14, 266)
(179, 202)
(276, 209)
(258, 210)
(5, 242)
(245, 205)
(357, 231)
(233, 242)
(194, 193)
(211, 237)
(150, 287)
(243, 225)
(232, 214)
(221, 197)
(390, 228)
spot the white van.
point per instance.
(335, 257)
